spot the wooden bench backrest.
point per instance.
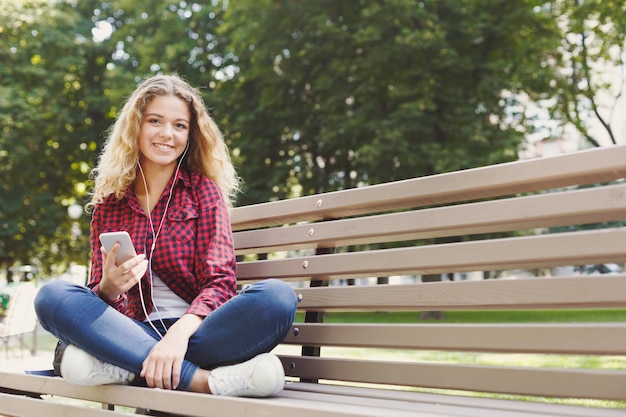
(485, 219)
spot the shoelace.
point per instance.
(229, 383)
(115, 372)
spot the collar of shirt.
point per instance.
(133, 202)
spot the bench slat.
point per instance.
(466, 405)
(392, 406)
(338, 401)
(524, 213)
(180, 403)
(15, 405)
(584, 167)
(582, 339)
(559, 249)
(562, 383)
(563, 292)
(286, 406)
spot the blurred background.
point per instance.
(312, 96)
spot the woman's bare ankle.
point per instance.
(200, 382)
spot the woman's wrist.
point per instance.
(107, 295)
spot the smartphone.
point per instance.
(126, 251)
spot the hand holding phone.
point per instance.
(126, 250)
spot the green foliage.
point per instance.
(594, 40)
(340, 94)
(51, 114)
(163, 37)
(312, 95)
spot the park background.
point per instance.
(312, 96)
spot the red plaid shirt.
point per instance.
(194, 254)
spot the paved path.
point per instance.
(18, 360)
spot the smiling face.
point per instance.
(164, 131)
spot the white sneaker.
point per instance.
(80, 368)
(261, 376)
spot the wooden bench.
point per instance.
(492, 219)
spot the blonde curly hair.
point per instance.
(208, 153)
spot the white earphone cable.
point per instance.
(155, 235)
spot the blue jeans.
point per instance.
(252, 322)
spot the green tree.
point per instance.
(313, 96)
(51, 110)
(593, 45)
(161, 37)
(62, 84)
(331, 95)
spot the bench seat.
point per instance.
(298, 399)
(513, 225)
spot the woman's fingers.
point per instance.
(135, 269)
(119, 279)
(160, 371)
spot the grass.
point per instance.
(46, 342)
(487, 316)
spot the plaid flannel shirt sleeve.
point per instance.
(95, 275)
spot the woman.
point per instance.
(170, 316)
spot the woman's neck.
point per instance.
(150, 183)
